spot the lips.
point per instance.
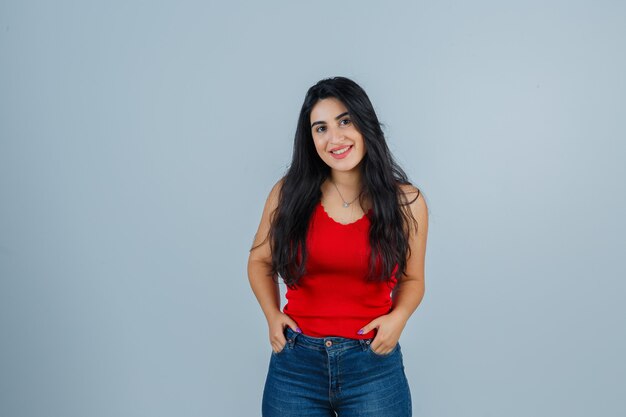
(344, 154)
(339, 148)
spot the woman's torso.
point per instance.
(333, 298)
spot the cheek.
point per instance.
(363, 146)
(319, 148)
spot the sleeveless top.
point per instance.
(333, 298)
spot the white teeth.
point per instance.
(341, 151)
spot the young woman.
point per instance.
(346, 231)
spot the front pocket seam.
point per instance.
(278, 353)
(287, 346)
(385, 355)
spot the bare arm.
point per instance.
(261, 280)
(409, 293)
(260, 260)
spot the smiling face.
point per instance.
(333, 130)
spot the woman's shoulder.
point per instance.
(273, 198)
(414, 198)
(276, 190)
(409, 192)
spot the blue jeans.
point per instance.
(335, 376)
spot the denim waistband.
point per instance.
(324, 343)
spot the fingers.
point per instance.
(384, 349)
(278, 339)
(277, 331)
(294, 326)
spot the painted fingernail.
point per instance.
(360, 331)
(298, 330)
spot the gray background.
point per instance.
(139, 140)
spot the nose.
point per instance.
(336, 135)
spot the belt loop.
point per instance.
(364, 343)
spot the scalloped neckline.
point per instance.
(342, 224)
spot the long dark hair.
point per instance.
(300, 191)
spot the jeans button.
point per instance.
(329, 343)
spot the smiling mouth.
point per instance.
(342, 150)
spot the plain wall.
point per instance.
(139, 141)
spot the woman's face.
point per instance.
(332, 130)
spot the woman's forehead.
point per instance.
(327, 108)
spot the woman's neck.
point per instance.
(348, 181)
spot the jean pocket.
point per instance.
(394, 350)
(288, 345)
(279, 353)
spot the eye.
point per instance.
(318, 129)
(346, 120)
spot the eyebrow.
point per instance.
(319, 122)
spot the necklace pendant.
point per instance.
(346, 204)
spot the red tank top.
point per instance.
(333, 298)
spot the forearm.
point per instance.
(407, 297)
(265, 289)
